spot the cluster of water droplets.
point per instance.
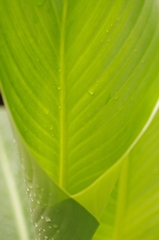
(45, 227)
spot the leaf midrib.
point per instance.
(62, 176)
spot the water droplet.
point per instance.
(50, 227)
(59, 106)
(46, 111)
(38, 202)
(58, 231)
(43, 230)
(42, 217)
(39, 2)
(30, 186)
(36, 225)
(51, 128)
(116, 97)
(47, 219)
(59, 88)
(106, 31)
(59, 70)
(40, 229)
(91, 92)
(55, 226)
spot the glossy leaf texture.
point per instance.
(133, 210)
(80, 79)
(15, 222)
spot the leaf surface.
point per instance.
(15, 222)
(80, 80)
(133, 210)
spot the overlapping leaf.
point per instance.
(15, 222)
(133, 210)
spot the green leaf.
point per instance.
(80, 79)
(14, 210)
(54, 213)
(133, 209)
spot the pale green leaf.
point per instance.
(15, 222)
(133, 209)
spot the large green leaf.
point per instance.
(80, 79)
(133, 210)
(14, 209)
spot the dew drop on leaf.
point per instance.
(91, 92)
(36, 225)
(59, 88)
(46, 111)
(47, 219)
(55, 226)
